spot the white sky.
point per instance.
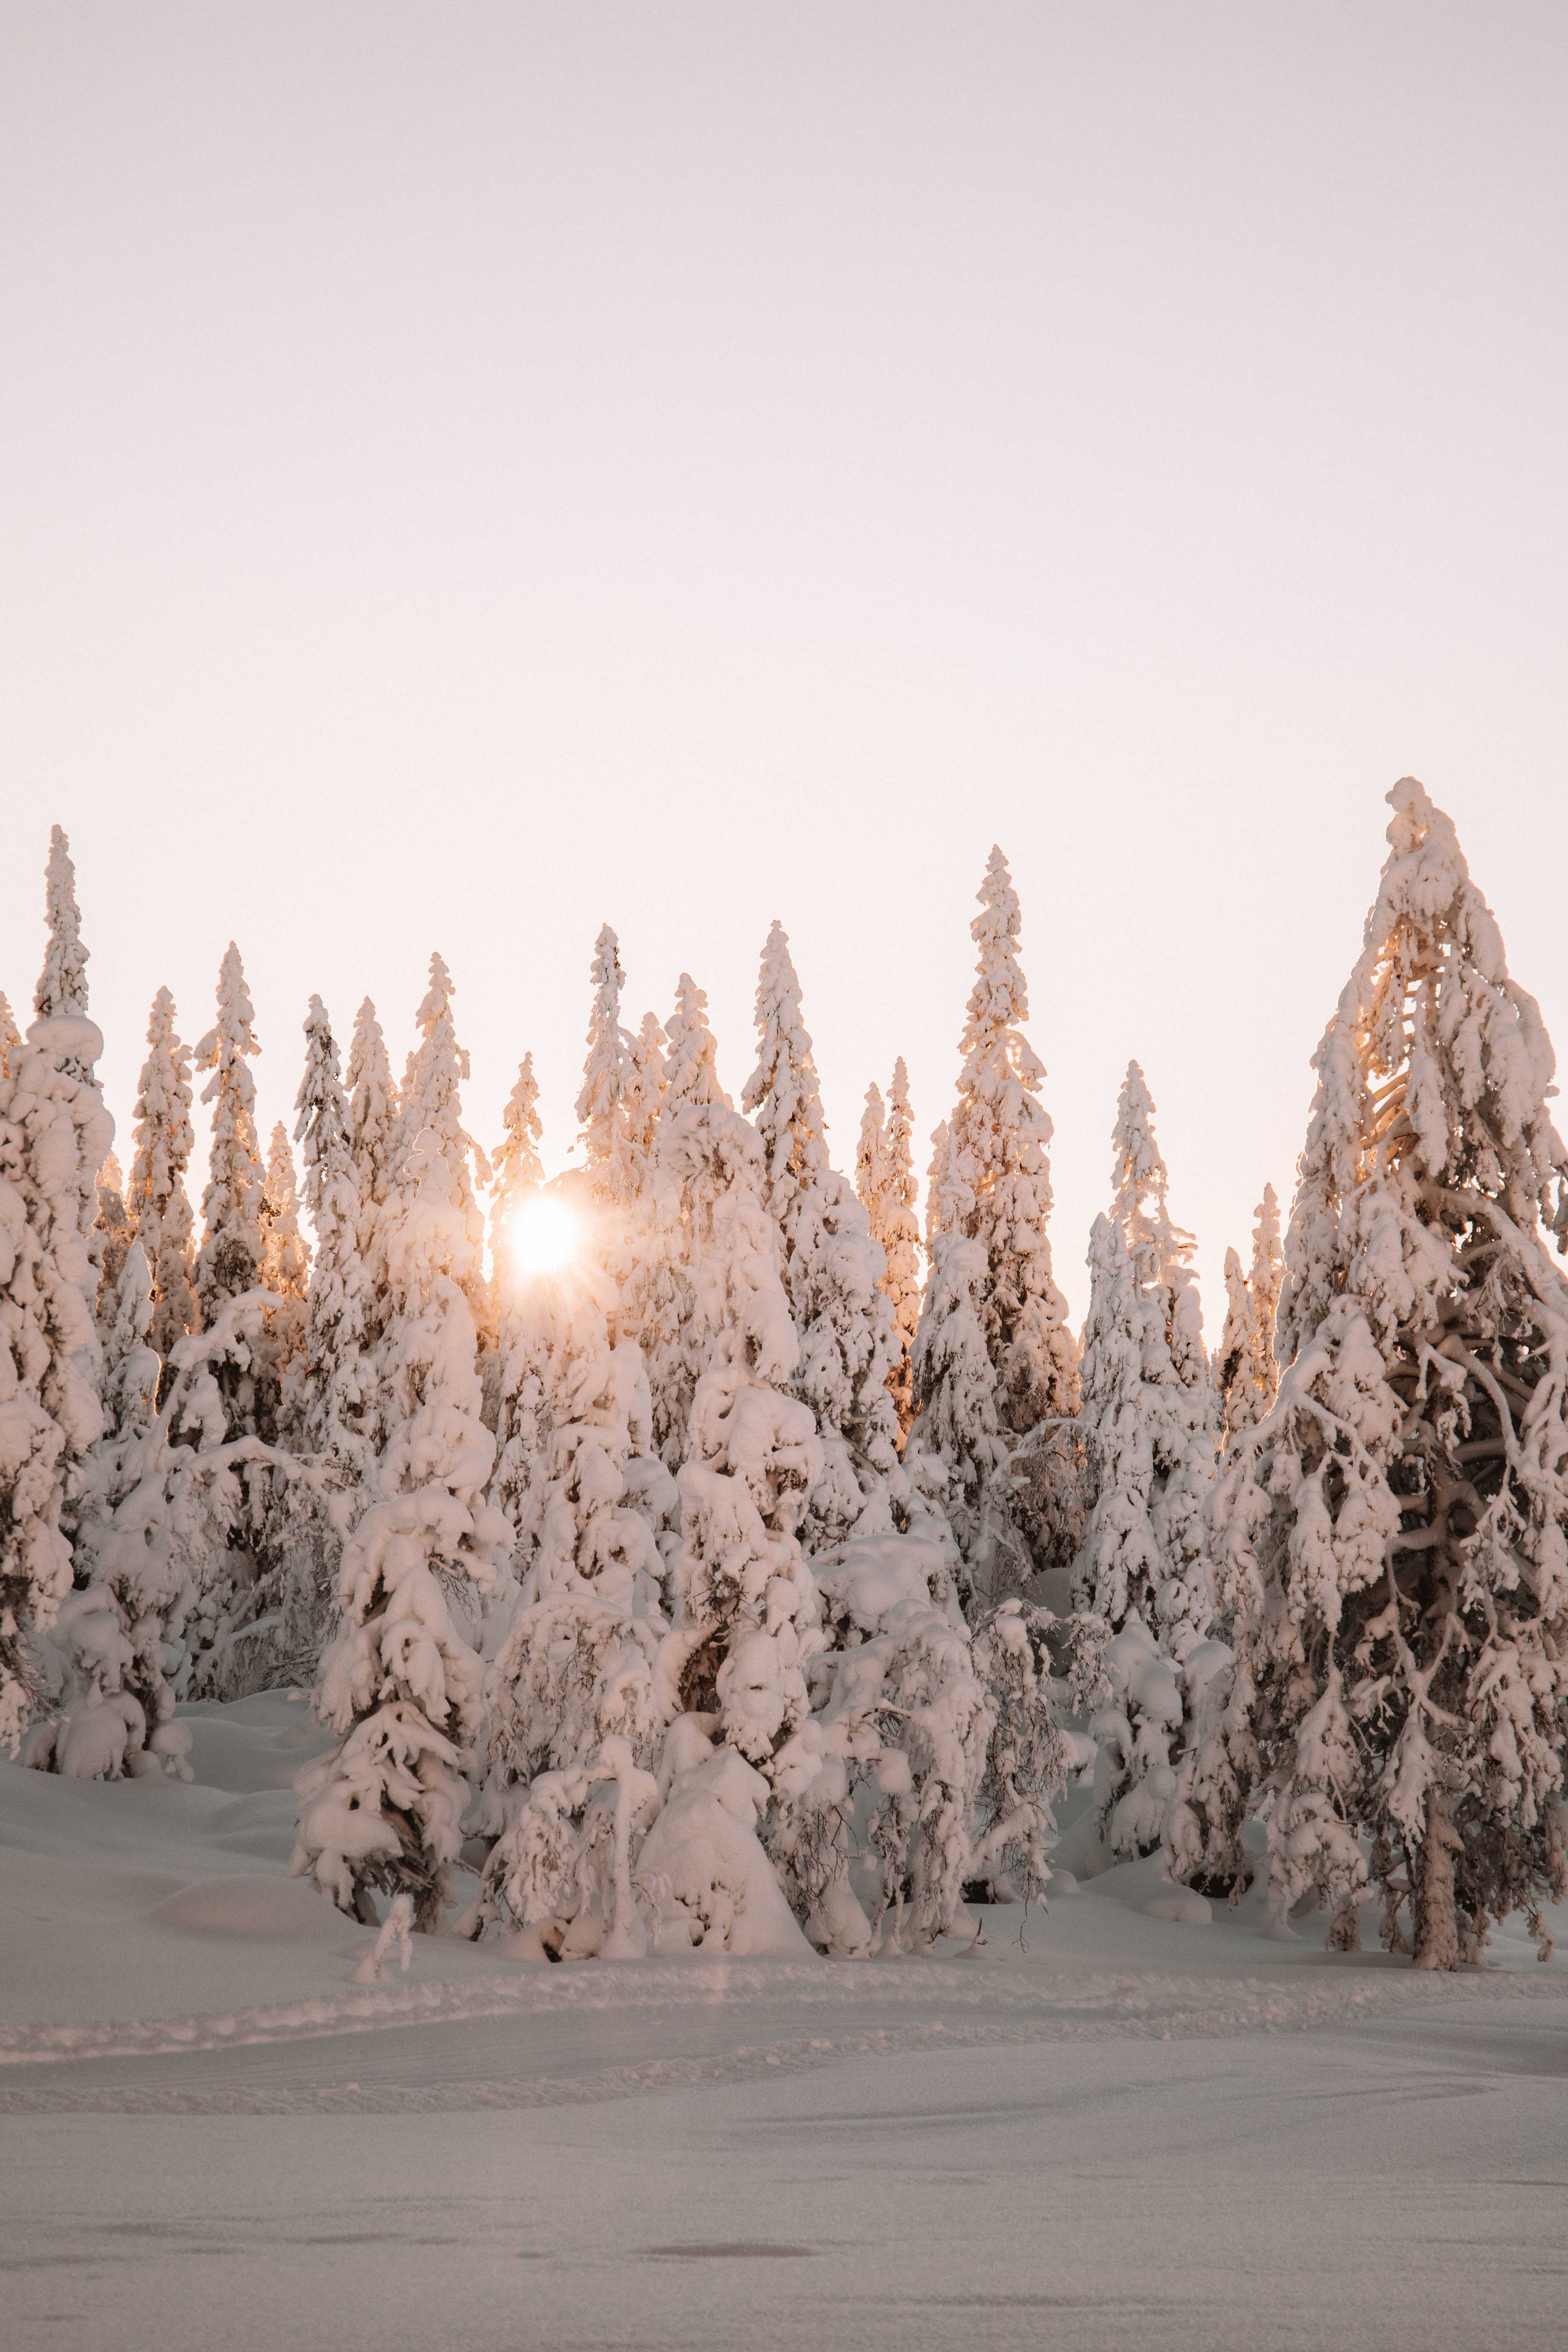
(472, 472)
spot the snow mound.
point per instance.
(248, 1905)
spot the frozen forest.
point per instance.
(718, 1549)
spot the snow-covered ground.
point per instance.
(1100, 2128)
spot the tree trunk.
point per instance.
(1436, 1929)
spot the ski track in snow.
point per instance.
(1100, 2007)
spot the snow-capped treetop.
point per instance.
(115, 1232)
(230, 1255)
(607, 1079)
(323, 1123)
(157, 1198)
(163, 1132)
(645, 1097)
(997, 1186)
(871, 1152)
(1246, 1373)
(62, 983)
(1429, 1011)
(781, 1092)
(936, 1183)
(339, 1385)
(885, 1181)
(432, 1099)
(896, 1226)
(373, 1129)
(516, 1165)
(901, 1144)
(10, 1036)
(62, 993)
(691, 1071)
(1160, 1252)
(286, 1254)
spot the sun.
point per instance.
(542, 1234)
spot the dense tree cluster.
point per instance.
(702, 1548)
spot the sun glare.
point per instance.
(543, 1235)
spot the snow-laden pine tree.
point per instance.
(112, 1711)
(936, 1183)
(609, 1084)
(338, 1387)
(1246, 1374)
(1148, 1436)
(114, 1231)
(402, 1683)
(431, 1102)
(833, 1272)
(885, 1180)
(645, 1091)
(372, 1122)
(782, 1093)
(61, 991)
(991, 1185)
(55, 1135)
(1392, 1536)
(254, 1620)
(526, 1318)
(158, 1202)
(286, 1273)
(285, 1252)
(658, 1301)
(228, 1262)
(690, 1778)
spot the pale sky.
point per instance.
(471, 473)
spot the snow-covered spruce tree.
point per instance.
(871, 1152)
(991, 1182)
(1174, 1405)
(372, 1123)
(157, 1203)
(112, 1711)
(525, 1314)
(592, 1564)
(10, 1036)
(114, 1231)
(833, 1272)
(936, 1183)
(659, 1303)
(782, 1093)
(254, 1620)
(228, 1263)
(286, 1273)
(431, 1101)
(402, 1683)
(644, 1093)
(1392, 1536)
(337, 1382)
(719, 1778)
(1244, 1372)
(885, 1180)
(1148, 1438)
(609, 1083)
(61, 991)
(55, 1135)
